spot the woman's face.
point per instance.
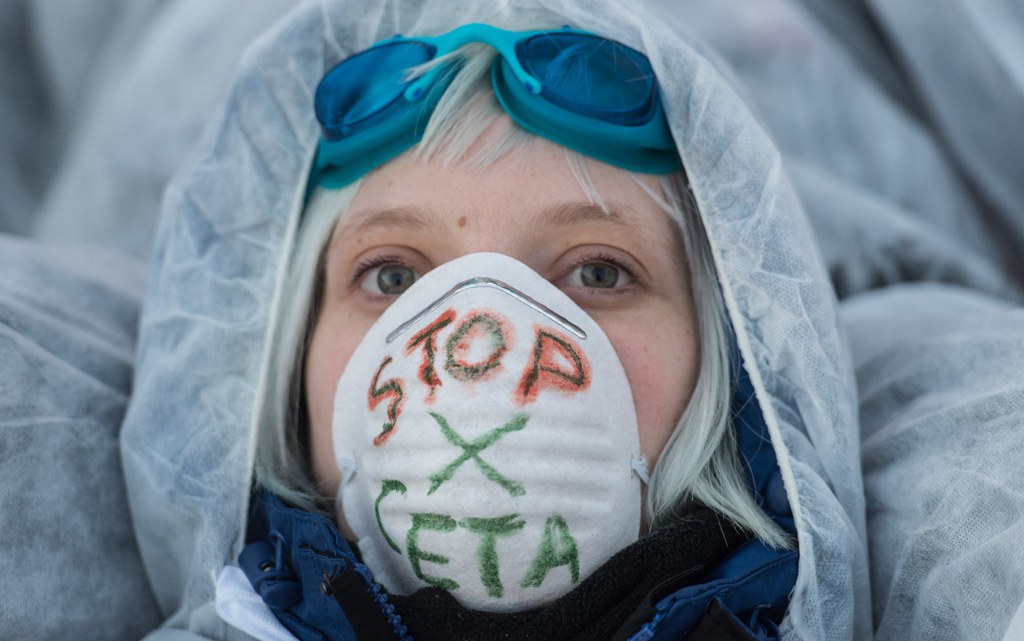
(626, 270)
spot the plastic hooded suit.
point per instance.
(226, 238)
(187, 440)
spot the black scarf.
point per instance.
(611, 604)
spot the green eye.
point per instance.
(394, 279)
(599, 275)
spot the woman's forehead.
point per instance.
(533, 185)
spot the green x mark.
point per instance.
(472, 451)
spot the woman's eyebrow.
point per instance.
(410, 218)
(568, 214)
(422, 219)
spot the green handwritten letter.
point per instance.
(557, 548)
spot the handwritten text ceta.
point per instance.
(557, 547)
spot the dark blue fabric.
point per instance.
(754, 584)
(755, 446)
(289, 554)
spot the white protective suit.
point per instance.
(188, 437)
(899, 180)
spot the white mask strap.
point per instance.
(347, 467)
(337, 502)
(639, 468)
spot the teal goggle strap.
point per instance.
(590, 94)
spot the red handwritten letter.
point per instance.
(391, 389)
(544, 369)
(428, 338)
(480, 326)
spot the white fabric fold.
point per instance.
(239, 605)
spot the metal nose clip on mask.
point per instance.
(487, 439)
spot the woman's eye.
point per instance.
(389, 279)
(601, 275)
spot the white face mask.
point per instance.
(487, 439)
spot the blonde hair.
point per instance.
(699, 464)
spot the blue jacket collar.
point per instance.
(312, 580)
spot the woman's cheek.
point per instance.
(661, 363)
(331, 346)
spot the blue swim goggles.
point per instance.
(593, 95)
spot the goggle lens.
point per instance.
(591, 76)
(593, 95)
(366, 84)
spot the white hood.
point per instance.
(225, 237)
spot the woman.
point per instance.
(564, 226)
(504, 191)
